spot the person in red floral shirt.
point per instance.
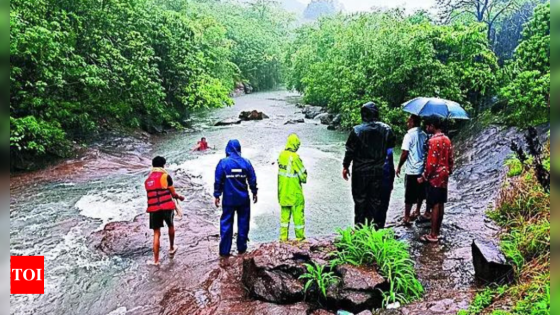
(439, 166)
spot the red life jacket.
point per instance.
(202, 146)
(159, 195)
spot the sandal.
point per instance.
(429, 239)
(173, 251)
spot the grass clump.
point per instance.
(366, 246)
(317, 277)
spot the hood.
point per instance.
(370, 112)
(293, 143)
(233, 148)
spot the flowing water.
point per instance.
(55, 213)
(86, 217)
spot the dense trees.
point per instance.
(345, 61)
(528, 77)
(80, 65)
(348, 60)
(77, 66)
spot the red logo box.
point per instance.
(27, 275)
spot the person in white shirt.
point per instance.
(412, 157)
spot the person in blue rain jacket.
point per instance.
(234, 177)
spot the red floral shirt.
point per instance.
(439, 165)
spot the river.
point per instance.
(86, 216)
(56, 212)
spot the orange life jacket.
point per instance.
(159, 195)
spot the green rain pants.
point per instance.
(298, 213)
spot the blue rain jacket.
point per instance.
(234, 175)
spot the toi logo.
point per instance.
(27, 275)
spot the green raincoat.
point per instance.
(291, 176)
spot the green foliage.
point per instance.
(258, 34)
(318, 278)
(346, 61)
(76, 66)
(527, 78)
(515, 167)
(483, 300)
(366, 246)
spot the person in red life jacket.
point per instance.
(161, 205)
(201, 145)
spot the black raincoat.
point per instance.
(367, 149)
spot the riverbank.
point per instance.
(87, 219)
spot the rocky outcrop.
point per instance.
(272, 273)
(325, 118)
(252, 115)
(311, 112)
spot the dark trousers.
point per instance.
(371, 200)
(226, 228)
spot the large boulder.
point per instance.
(325, 118)
(252, 115)
(311, 112)
(271, 273)
(490, 264)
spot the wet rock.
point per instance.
(366, 313)
(490, 264)
(325, 118)
(248, 88)
(354, 278)
(298, 105)
(252, 115)
(271, 273)
(295, 121)
(228, 122)
(312, 111)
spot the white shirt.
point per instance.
(414, 142)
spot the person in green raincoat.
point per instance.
(291, 176)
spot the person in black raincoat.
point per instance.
(367, 149)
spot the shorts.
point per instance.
(159, 217)
(414, 192)
(436, 195)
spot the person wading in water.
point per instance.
(201, 145)
(366, 150)
(161, 206)
(234, 177)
